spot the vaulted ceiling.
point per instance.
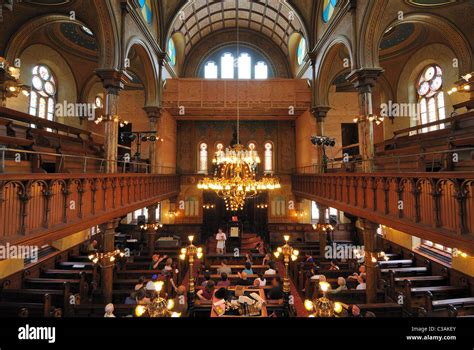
(276, 19)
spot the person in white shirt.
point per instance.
(271, 269)
(260, 281)
(221, 238)
(362, 285)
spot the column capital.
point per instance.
(312, 55)
(113, 79)
(364, 79)
(320, 112)
(153, 112)
(368, 225)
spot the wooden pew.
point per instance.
(98, 310)
(28, 309)
(419, 270)
(59, 298)
(395, 263)
(414, 296)
(382, 309)
(233, 278)
(432, 305)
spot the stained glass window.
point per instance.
(431, 98)
(146, 9)
(172, 51)
(268, 158)
(245, 66)
(202, 159)
(227, 66)
(301, 51)
(261, 70)
(210, 70)
(43, 95)
(328, 9)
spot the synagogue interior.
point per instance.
(236, 158)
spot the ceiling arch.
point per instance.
(274, 18)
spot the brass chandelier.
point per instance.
(235, 178)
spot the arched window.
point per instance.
(268, 158)
(172, 51)
(245, 66)
(431, 97)
(301, 51)
(202, 169)
(279, 206)
(236, 63)
(210, 70)
(43, 94)
(261, 70)
(227, 66)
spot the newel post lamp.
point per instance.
(288, 253)
(191, 252)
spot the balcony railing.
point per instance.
(33, 205)
(433, 206)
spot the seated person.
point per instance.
(224, 268)
(249, 258)
(207, 292)
(355, 275)
(276, 292)
(207, 278)
(142, 298)
(243, 280)
(91, 247)
(109, 310)
(140, 284)
(224, 282)
(180, 301)
(341, 282)
(333, 266)
(353, 311)
(248, 268)
(362, 285)
(168, 269)
(260, 281)
(271, 269)
(156, 259)
(266, 259)
(131, 299)
(309, 258)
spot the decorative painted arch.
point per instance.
(105, 31)
(325, 62)
(370, 42)
(150, 69)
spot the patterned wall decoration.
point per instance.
(397, 35)
(192, 133)
(75, 34)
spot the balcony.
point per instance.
(38, 208)
(434, 206)
(218, 99)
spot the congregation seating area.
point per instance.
(45, 146)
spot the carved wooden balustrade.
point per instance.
(433, 206)
(35, 205)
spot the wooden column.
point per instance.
(322, 234)
(364, 80)
(151, 232)
(320, 113)
(107, 266)
(113, 81)
(370, 247)
(153, 115)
